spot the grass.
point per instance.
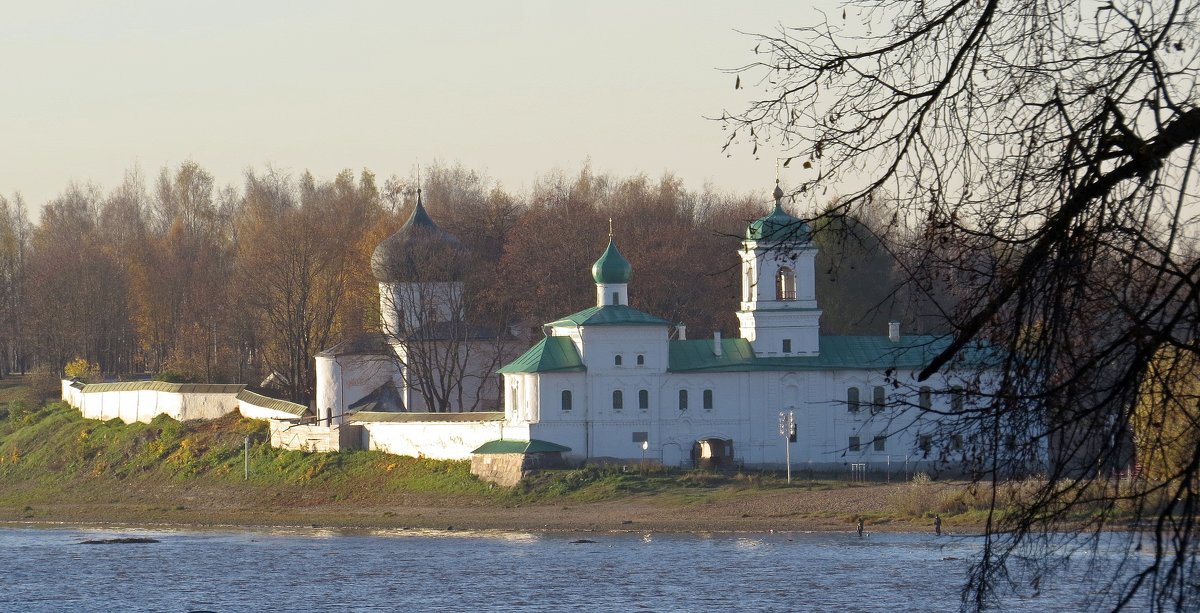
(53, 460)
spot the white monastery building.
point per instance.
(610, 381)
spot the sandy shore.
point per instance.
(782, 509)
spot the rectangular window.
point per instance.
(682, 400)
(852, 399)
(641, 437)
(708, 401)
(855, 445)
(617, 360)
(787, 345)
(956, 398)
(618, 400)
(926, 398)
(880, 442)
(878, 400)
(616, 298)
(956, 442)
(925, 443)
(644, 399)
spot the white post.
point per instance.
(246, 456)
(786, 425)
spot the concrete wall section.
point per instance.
(319, 438)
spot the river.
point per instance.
(50, 569)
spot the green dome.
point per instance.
(612, 267)
(778, 225)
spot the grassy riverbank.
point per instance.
(56, 466)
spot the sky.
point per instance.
(511, 89)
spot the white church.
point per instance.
(609, 382)
(613, 382)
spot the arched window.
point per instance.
(643, 399)
(682, 400)
(566, 400)
(785, 284)
(641, 360)
(852, 399)
(707, 400)
(617, 359)
(878, 400)
(618, 400)
(926, 398)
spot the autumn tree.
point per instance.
(1043, 154)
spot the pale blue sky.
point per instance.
(513, 89)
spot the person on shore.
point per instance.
(937, 525)
(860, 527)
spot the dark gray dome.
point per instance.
(418, 251)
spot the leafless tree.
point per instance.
(1042, 154)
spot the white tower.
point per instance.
(779, 314)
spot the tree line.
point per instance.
(183, 277)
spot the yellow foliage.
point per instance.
(79, 368)
(1166, 421)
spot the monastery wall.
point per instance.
(433, 435)
(142, 401)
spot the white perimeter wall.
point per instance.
(144, 405)
(437, 440)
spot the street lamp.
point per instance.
(645, 446)
(787, 429)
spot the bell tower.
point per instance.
(779, 313)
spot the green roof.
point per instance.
(163, 386)
(836, 353)
(610, 315)
(276, 404)
(530, 446)
(778, 226)
(551, 354)
(612, 267)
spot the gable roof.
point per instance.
(275, 404)
(610, 315)
(551, 354)
(385, 398)
(530, 446)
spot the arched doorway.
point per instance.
(712, 452)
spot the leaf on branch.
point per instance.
(737, 84)
(808, 164)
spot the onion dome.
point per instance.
(778, 225)
(612, 267)
(418, 251)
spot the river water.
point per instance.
(324, 570)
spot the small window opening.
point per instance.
(566, 400)
(641, 437)
(787, 345)
(617, 359)
(641, 360)
(855, 445)
(708, 400)
(852, 400)
(880, 442)
(618, 400)
(926, 398)
(682, 400)
(643, 399)
(878, 400)
(616, 298)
